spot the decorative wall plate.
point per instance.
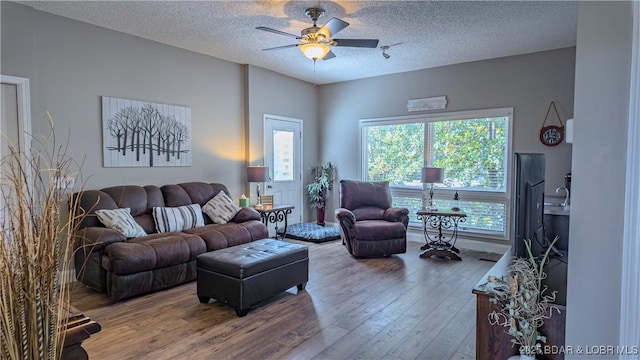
(552, 135)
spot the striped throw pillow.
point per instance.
(121, 221)
(179, 218)
(221, 208)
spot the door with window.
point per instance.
(9, 118)
(15, 126)
(283, 156)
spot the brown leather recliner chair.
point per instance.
(369, 225)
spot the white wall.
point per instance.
(275, 94)
(603, 60)
(72, 64)
(528, 83)
(76, 63)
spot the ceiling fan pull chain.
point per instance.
(314, 72)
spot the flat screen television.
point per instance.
(528, 204)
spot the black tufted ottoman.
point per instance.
(247, 274)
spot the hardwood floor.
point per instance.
(402, 307)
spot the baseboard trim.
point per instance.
(67, 276)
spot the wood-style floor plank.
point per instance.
(398, 308)
(424, 332)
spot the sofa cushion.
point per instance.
(129, 196)
(171, 219)
(358, 194)
(85, 203)
(368, 213)
(151, 252)
(191, 193)
(376, 230)
(220, 236)
(200, 192)
(97, 237)
(246, 214)
(221, 209)
(121, 221)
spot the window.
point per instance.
(282, 155)
(473, 147)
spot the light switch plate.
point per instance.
(63, 182)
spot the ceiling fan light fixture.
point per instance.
(314, 51)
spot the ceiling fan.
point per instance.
(315, 42)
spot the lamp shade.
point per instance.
(257, 173)
(432, 175)
(314, 51)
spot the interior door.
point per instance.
(15, 124)
(283, 156)
(8, 129)
(9, 118)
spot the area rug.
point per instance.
(311, 232)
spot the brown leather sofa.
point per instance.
(109, 262)
(369, 225)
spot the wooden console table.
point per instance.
(275, 214)
(493, 341)
(441, 245)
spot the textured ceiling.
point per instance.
(421, 34)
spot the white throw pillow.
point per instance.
(179, 218)
(221, 208)
(121, 221)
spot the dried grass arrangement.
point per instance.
(35, 249)
(522, 301)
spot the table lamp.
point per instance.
(258, 174)
(431, 175)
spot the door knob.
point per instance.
(269, 187)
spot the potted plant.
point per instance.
(521, 301)
(317, 189)
(35, 250)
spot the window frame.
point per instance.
(504, 197)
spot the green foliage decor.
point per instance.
(521, 301)
(322, 183)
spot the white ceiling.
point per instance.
(422, 34)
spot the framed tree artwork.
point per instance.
(145, 134)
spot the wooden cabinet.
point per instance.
(494, 343)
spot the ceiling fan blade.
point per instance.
(332, 27)
(277, 32)
(280, 47)
(330, 55)
(363, 43)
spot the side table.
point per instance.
(275, 214)
(442, 245)
(79, 327)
